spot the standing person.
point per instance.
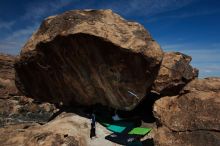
(93, 126)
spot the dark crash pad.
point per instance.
(122, 139)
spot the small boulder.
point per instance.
(174, 73)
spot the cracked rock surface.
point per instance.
(191, 118)
(174, 73)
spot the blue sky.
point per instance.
(188, 26)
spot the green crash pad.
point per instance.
(119, 126)
(140, 131)
(116, 128)
(105, 124)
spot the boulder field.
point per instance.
(96, 56)
(88, 57)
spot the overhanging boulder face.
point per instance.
(86, 57)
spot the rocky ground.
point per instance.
(81, 58)
(68, 129)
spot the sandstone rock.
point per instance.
(18, 109)
(175, 72)
(192, 116)
(6, 66)
(211, 84)
(87, 57)
(165, 137)
(7, 76)
(67, 129)
(27, 135)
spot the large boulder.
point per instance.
(87, 57)
(191, 118)
(175, 72)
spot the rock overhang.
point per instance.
(89, 57)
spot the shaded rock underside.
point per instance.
(85, 69)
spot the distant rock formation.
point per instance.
(191, 118)
(15, 108)
(87, 57)
(7, 76)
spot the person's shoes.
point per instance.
(93, 138)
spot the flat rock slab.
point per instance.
(87, 57)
